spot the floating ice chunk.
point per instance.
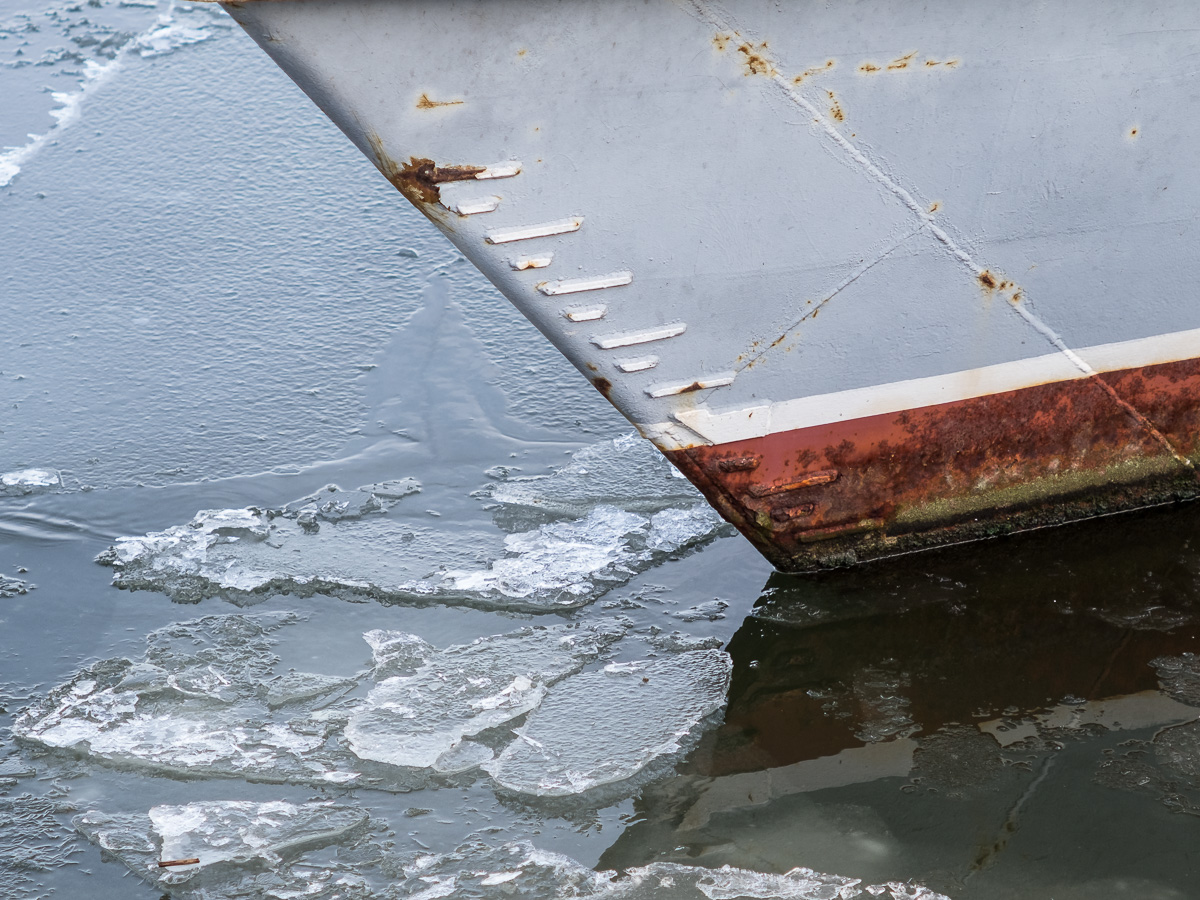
(703, 612)
(627, 472)
(222, 835)
(415, 720)
(577, 560)
(199, 704)
(604, 727)
(396, 652)
(247, 554)
(28, 481)
(13, 587)
(1179, 677)
(171, 35)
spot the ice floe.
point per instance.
(343, 543)
(208, 699)
(647, 710)
(28, 481)
(13, 587)
(417, 720)
(232, 841)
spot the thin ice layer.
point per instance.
(225, 836)
(626, 472)
(413, 720)
(31, 842)
(645, 709)
(316, 546)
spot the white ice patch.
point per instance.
(28, 481)
(416, 720)
(225, 834)
(205, 701)
(604, 727)
(311, 547)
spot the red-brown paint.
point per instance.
(843, 492)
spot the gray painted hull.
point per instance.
(769, 233)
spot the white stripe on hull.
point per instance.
(842, 406)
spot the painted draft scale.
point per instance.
(876, 277)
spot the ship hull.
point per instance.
(874, 279)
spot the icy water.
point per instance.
(319, 566)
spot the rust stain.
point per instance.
(721, 41)
(935, 206)
(811, 479)
(522, 52)
(425, 103)
(814, 70)
(692, 388)
(739, 464)
(756, 63)
(868, 68)
(788, 514)
(902, 63)
(835, 108)
(988, 280)
(1133, 132)
(593, 367)
(604, 386)
(418, 179)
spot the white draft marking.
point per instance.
(706, 383)
(499, 170)
(578, 285)
(640, 364)
(528, 232)
(540, 261)
(586, 313)
(472, 207)
(630, 338)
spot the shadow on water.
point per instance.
(1007, 717)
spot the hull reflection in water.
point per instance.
(1014, 721)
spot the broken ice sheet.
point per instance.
(231, 839)
(419, 720)
(479, 870)
(198, 704)
(605, 727)
(207, 701)
(335, 542)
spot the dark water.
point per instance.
(213, 308)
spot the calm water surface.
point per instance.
(214, 310)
